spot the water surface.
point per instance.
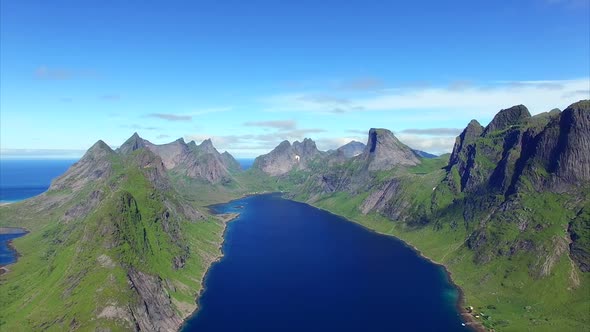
(291, 267)
(22, 179)
(7, 254)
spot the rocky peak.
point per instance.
(98, 150)
(171, 153)
(283, 146)
(512, 116)
(305, 149)
(467, 136)
(96, 164)
(384, 151)
(285, 157)
(351, 149)
(207, 146)
(230, 162)
(133, 143)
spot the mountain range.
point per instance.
(122, 240)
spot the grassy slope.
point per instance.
(59, 283)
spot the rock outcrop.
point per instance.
(154, 311)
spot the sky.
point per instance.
(250, 74)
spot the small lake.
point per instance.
(7, 254)
(291, 267)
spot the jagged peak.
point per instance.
(133, 143)
(283, 145)
(305, 142)
(206, 142)
(512, 116)
(207, 146)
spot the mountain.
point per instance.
(112, 245)
(351, 149)
(424, 154)
(384, 151)
(286, 157)
(195, 161)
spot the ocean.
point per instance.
(22, 179)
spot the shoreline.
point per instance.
(11, 230)
(470, 321)
(229, 217)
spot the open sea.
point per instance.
(21, 179)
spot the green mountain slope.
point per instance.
(112, 246)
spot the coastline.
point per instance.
(470, 321)
(225, 219)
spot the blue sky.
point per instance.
(250, 74)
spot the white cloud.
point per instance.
(483, 100)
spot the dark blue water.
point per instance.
(21, 179)
(7, 255)
(291, 267)
(245, 163)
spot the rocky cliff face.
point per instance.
(384, 151)
(286, 157)
(557, 158)
(515, 149)
(504, 171)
